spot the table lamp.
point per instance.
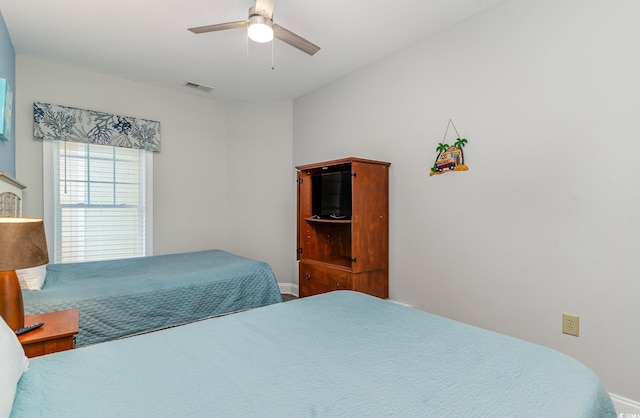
(22, 245)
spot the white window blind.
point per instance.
(99, 200)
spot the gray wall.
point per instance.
(546, 220)
(260, 183)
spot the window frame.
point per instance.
(49, 185)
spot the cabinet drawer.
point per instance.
(318, 279)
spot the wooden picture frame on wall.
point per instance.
(6, 109)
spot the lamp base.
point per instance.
(11, 307)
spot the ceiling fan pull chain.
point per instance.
(273, 66)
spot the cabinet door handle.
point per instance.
(338, 284)
(308, 277)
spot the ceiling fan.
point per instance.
(260, 28)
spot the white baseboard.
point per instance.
(288, 288)
(626, 408)
(400, 303)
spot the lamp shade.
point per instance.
(23, 243)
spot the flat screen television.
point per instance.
(331, 195)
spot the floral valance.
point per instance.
(70, 124)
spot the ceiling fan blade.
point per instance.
(219, 26)
(265, 8)
(294, 40)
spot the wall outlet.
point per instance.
(571, 324)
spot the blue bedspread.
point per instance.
(340, 354)
(123, 297)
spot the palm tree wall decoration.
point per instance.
(450, 158)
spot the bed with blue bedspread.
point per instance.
(339, 354)
(122, 297)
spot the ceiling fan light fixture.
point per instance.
(260, 29)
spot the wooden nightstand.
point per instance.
(57, 333)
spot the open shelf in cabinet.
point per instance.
(329, 221)
(328, 241)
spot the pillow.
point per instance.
(13, 363)
(32, 278)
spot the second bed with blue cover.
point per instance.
(122, 297)
(339, 354)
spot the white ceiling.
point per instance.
(148, 41)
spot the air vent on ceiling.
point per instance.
(200, 87)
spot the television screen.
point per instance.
(331, 195)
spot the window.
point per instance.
(97, 201)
